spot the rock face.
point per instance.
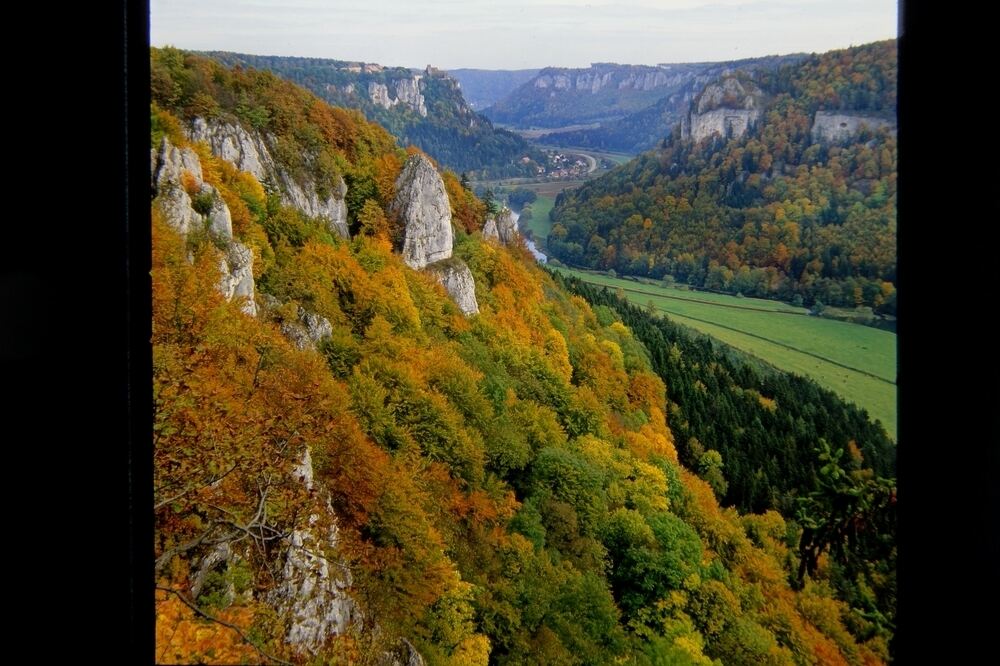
(308, 331)
(729, 93)
(314, 589)
(404, 654)
(728, 108)
(506, 226)
(236, 276)
(379, 94)
(592, 81)
(597, 77)
(407, 93)
(169, 166)
(502, 228)
(457, 280)
(421, 204)
(175, 172)
(727, 123)
(835, 127)
(490, 230)
(320, 606)
(643, 80)
(251, 152)
(232, 143)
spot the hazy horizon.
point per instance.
(457, 34)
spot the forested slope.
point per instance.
(794, 196)
(415, 483)
(425, 109)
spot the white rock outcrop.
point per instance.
(314, 589)
(834, 127)
(169, 167)
(251, 151)
(729, 93)
(236, 276)
(308, 330)
(457, 280)
(592, 81)
(727, 123)
(728, 108)
(643, 80)
(176, 171)
(407, 92)
(490, 231)
(421, 204)
(379, 94)
(506, 226)
(502, 227)
(403, 654)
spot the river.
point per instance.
(539, 256)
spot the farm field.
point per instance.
(540, 224)
(857, 362)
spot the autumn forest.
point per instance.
(384, 434)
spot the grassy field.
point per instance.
(540, 224)
(857, 362)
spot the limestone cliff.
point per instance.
(236, 275)
(502, 227)
(176, 175)
(421, 204)
(407, 91)
(599, 76)
(252, 152)
(457, 280)
(506, 226)
(835, 127)
(421, 108)
(490, 231)
(728, 108)
(314, 586)
(403, 654)
(308, 330)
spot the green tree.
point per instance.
(851, 513)
(710, 468)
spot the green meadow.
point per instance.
(857, 362)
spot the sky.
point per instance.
(521, 34)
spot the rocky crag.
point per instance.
(421, 205)
(840, 126)
(424, 108)
(732, 106)
(634, 105)
(728, 108)
(189, 204)
(252, 152)
(501, 227)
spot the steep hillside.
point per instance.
(612, 95)
(383, 435)
(781, 185)
(484, 87)
(425, 109)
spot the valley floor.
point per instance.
(857, 362)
